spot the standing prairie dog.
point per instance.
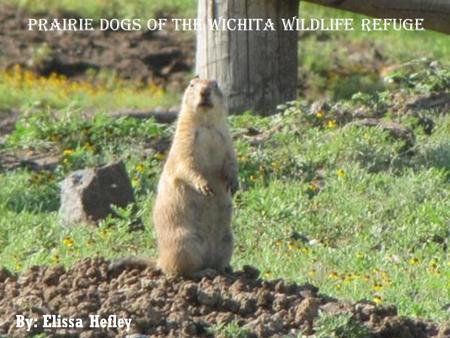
(193, 207)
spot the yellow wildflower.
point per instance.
(331, 124)
(88, 147)
(313, 186)
(377, 287)
(377, 300)
(333, 275)
(155, 89)
(68, 152)
(305, 249)
(351, 277)
(320, 114)
(140, 168)
(385, 277)
(292, 245)
(433, 266)
(136, 182)
(68, 241)
(341, 173)
(413, 261)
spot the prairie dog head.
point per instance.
(204, 99)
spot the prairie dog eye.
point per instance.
(193, 81)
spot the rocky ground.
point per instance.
(162, 306)
(161, 57)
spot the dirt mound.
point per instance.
(157, 57)
(162, 306)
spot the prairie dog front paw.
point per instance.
(204, 188)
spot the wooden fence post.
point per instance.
(256, 69)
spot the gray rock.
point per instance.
(87, 194)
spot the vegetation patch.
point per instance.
(348, 190)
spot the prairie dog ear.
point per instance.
(193, 80)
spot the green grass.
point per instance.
(338, 64)
(230, 330)
(397, 45)
(341, 326)
(376, 213)
(22, 89)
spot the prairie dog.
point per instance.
(193, 208)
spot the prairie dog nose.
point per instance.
(205, 92)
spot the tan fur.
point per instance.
(193, 207)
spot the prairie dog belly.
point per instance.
(189, 208)
(210, 151)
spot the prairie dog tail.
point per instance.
(132, 262)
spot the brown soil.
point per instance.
(162, 306)
(159, 57)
